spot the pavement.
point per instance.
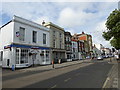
(113, 78)
(42, 68)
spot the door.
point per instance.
(33, 58)
(1, 56)
(8, 62)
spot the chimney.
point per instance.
(43, 22)
(83, 32)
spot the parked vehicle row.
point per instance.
(101, 57)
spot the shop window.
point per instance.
(47, 55)
(24, 56)
(17, 56)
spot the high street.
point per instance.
(88, 74)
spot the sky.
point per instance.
(74, 17)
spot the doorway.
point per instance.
(1, 56)
(8, 62)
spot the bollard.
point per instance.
(13, 68)
(52, 63)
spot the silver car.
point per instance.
(99, 58)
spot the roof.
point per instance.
(68, 33)
(25, 21)
(5, 24)
(53, 25)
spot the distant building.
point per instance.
(107, 51)
(74, 49)
(80, 46)
(68, 46)
(96, 51)
(57, 42)
(87, 42)
(100, 47)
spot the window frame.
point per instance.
(34, 36)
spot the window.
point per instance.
(54, 33)
(60, 44)
(60, 40)
(22, 34)
(1, 56)
(44, 38)
(47, 55)
(60, 35)
(24, 56)
(34, 36)
(54, 43)
(17, 56)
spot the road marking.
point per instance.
(115, 83)
(106, 82)
(54, 86)
(67, 80)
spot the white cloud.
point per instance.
(71, 18)
(97, 34)
(60, 0)
(75, 17)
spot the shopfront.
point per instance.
(25, 56)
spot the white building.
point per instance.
(24, 43)
(74, 50)
(96, 51)
(57, 42)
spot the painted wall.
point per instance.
(74, 50)
(29, 28)
(6, 35)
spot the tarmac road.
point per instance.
(92, 76)
(85, 75)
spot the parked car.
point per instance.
(107, 56)
(99, 58)
(104, 56)
(88, 57)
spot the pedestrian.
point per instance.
(52, 63)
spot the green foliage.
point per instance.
(113, 29)
(116, 43)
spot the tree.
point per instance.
(113, 29)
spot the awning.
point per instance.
(26, 46)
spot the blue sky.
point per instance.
(75, 17)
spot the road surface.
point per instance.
(85, 75)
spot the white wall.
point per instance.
(28, 35)
(6, 35)
(74, 45)
(0, 41)
(29, 28)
